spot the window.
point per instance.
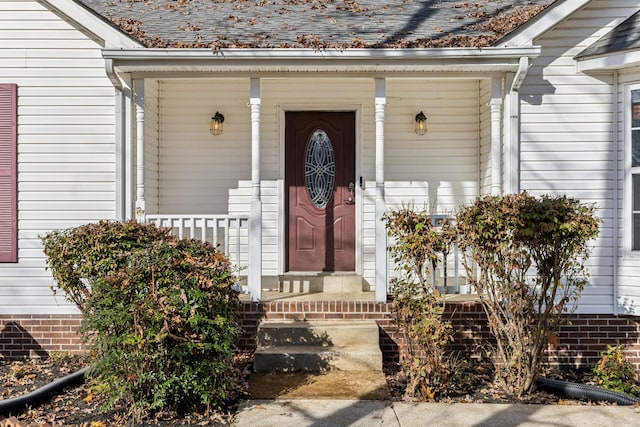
(8, 174)
(320, 169)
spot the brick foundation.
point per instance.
(24, 336)
(579, 344)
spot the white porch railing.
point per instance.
(449, 276)
(229, 233)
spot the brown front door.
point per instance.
(320, 191)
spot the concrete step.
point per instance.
(317, 346)
(320, 282)
(301, 358)
(325, 333)
(347, 385)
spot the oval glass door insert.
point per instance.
(320, 168)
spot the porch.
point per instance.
(232, 236)
(234, 188)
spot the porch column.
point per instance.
(255, 225)
(381, 206)
(496, 149)
(141, 210)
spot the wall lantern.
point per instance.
(216, 124)
(421, 124)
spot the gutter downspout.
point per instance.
(616, 143)
(518, 79)
(513, 154)
(111, 74)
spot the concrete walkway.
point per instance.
(368, 413)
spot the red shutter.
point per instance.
(8, 173)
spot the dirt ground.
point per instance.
(79, 406)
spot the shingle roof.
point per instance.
(625, 36)
(317, 23)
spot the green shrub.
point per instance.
(158, 311)
(530, 255)
(77, 256)
(614, 372)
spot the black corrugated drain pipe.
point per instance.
(37, 397)
(584, 392)
(16, 405)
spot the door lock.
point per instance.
(352, 193)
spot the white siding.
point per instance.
(202, 173)
(440, 169)
(567, 138)
(197, 169)
(66, 147)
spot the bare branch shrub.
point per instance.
(530, 254)
(418, 307)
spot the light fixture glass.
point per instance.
(216, 124)
(421, 124)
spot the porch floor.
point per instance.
(339, 296)
(313, 296)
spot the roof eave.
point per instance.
(541, 23)
(304, 60)
(304, 53)
(97, 27)
(609, 62)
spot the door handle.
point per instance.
(352, 193)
